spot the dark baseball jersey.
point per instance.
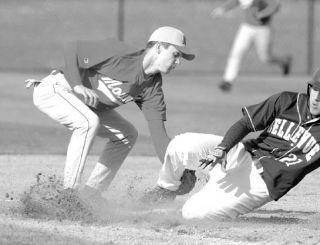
(121, 79)
(288, 147)
(114, 70)
(265, 8)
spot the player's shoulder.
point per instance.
(112, 45)
(288, 94)
(288, 97)
(283, 97)
(92, 52)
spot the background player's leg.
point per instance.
(240, 45)
(264, 44)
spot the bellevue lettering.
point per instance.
(298, 135)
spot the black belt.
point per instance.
(56, 72)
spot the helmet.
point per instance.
(315, 81)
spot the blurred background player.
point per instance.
(246, 174)
(256, 28)
(98, 77)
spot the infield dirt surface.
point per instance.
(33, 33)
(294, 219)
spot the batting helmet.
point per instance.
(315, 81)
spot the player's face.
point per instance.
(314, 101)
(168, 58)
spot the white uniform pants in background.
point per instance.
(54, 97)
(246, 35)
(228, 194)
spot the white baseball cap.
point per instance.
(168, 34)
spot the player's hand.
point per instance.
(256, 13)
(90, 97)
(217, 12)
(217, 156)
(258, 16)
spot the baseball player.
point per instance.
(246, 174)
(98, 77)
(256, 28)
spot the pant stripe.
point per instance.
(81, 156)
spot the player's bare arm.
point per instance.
(159, 137)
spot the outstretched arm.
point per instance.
(233, 136)
(159, 137)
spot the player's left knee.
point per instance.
(130, 137)
(200, 213)
(200, 206)
(190, 211)
(133, 135)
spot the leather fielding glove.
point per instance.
(217, 156)
(188, 181)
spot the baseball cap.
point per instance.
(315, 81)
(168, 34)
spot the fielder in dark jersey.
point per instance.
(98, 77)
(253, 171)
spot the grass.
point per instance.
(33, 31)
(292, 220)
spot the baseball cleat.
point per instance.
(286, 67)
(158, 194)
(225, 86)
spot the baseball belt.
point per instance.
(35, 82)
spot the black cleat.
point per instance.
(286, 67)
(158, 194)
(225, 86)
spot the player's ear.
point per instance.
(308, 89)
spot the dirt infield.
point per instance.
(295, 219)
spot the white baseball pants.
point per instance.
(227, 194)
(54, 97)
(247, 34)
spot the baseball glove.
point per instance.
(188, 181)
